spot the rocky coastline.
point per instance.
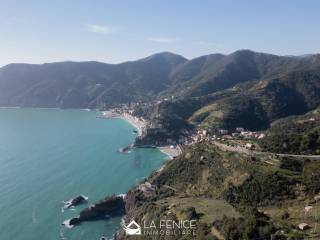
(117, 205)
(109, 207)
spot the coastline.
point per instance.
(140, 125)
(134, 121)
(170, 152)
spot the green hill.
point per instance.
(231, 196)
(216, 72)
(253, 105)
(295, 134)
(94, 84)
(242, 89)
(85, 84)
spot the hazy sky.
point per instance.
(36, 31)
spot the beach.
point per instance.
(134, 121)
(171, 152)
(140, 125)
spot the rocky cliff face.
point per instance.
(108, 207)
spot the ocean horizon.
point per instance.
(51, 155)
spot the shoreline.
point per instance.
(137, 124)
(134, 121)
(170, 152)
(140, 126)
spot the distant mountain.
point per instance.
(216, 72)
(85, 84)
(255, 105)
(94, 84)
(245, 88)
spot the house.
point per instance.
(223, 131)
(303, 226)
(249, 146)
(307, 208)
(239, 129)
(247, 134)
(147, 188)
(227, 137)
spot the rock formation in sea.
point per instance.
(108, 207)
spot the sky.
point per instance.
(113, 31)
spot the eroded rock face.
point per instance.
(74, 221)
(108, 207)
(75, 201)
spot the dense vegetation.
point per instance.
(94, 84)
(299, 135)
(231, 195)
(251, 105)
(243, 89)
(85, 84)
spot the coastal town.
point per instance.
(124, 112)
(241, 136)
(238, 140)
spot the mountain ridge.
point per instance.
(94, 84)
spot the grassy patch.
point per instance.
(209, 210)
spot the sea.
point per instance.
(48, 156)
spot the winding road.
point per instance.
(240, 149)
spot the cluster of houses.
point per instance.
(240, 132)
(190, 137)
(222, 134)
(127, 112)
(201, 135)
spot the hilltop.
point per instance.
(162, 75)
(252, 105)
(294, 134)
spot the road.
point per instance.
(240, 149)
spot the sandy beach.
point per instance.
(171, 152)
(140, 126)
(134, 121)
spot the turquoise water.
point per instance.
(51, 155)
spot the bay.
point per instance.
(51, 155)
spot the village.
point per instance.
(238, 140)
(239, 136)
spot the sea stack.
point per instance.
(108, 207)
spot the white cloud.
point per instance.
(161, 39)
(99, 28)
